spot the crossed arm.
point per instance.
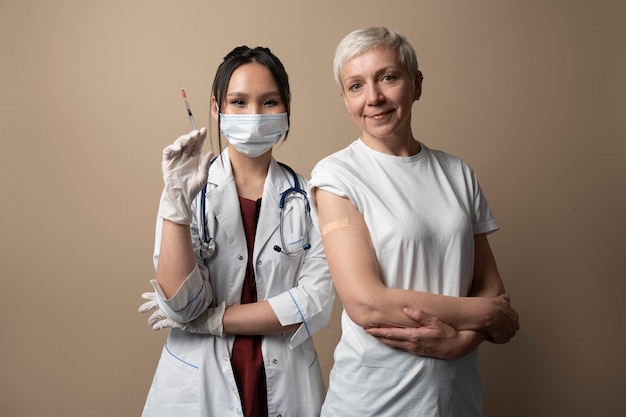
(185, 171)
(177, 261)
(422, 323)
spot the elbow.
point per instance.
(189, 301)
(189, 312)
(365, 313)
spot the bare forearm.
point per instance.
(471, 340)
(386, 310)
(176, 257)
(481, 311)
(254, 319)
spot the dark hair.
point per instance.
(243, 55)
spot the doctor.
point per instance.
(242, 313)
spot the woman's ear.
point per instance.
(418, 85)
(215, 111)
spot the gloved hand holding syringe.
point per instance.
(185, 171)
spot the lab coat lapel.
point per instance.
(269, 219)
(224, 199)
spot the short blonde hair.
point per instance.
(363, 40)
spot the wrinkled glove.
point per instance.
(209, 322)
(151, 304)
(185, 171)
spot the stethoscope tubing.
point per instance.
(208, 245)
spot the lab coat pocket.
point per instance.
(294, 225)
(175, 389)
(310, 354)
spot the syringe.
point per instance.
(193, 123)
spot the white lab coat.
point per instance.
(194, 376)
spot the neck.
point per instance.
(406, 146)
(249, 173)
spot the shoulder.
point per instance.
(442, 155)
(447, 160)
(455, 170)
(341, 159)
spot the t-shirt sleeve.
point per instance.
(483, 220)
(324, 176)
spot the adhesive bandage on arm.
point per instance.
(335, 225)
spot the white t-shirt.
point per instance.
(422, 213)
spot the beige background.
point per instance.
(531, 93)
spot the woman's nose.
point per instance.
(374, 95)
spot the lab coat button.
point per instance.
(240, 257)
(275, 361)
(259, 262)
(279, 415)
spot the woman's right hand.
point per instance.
(185, 171)
(502, 321)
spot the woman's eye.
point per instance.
(354, 87)
(238, 103)
(388, 77)
(270, 103)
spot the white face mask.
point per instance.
(253, 134)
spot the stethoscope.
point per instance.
(207, 243)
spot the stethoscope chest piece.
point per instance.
(207, 249)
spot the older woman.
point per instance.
(405, 232)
